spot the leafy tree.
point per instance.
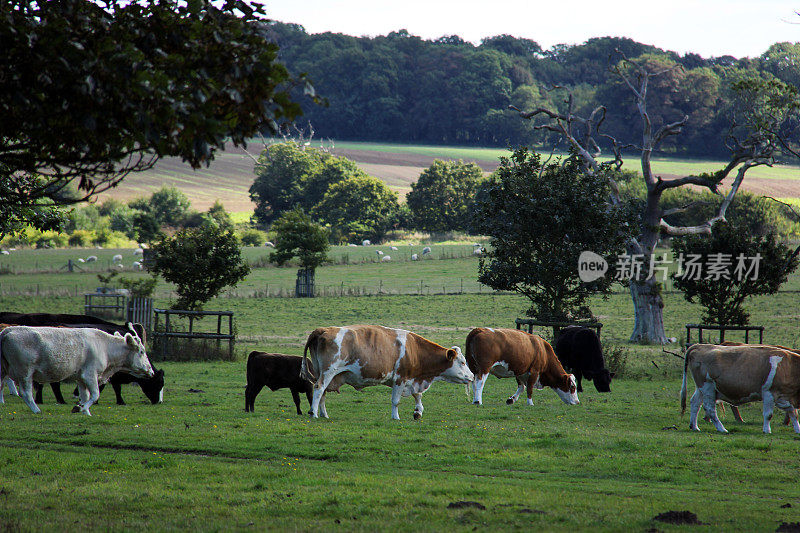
(290, 174)
(219, 216)
(297, 235)
(357, 208)
(200, 262)
(748, 264)
(253, 237)
(440, 198)
(92, 91)
(168, 205)
(540, 218)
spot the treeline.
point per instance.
(402, 88)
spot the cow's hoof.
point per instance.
(76, 409)
(510, 401)
(476, 403)
(417, 415)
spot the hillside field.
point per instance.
(230, 175)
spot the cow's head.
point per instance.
(602, 380)
(139, 362)
(153, 388)
(458, 371)
(567, 390)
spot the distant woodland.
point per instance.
(402, 88)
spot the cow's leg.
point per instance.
(792, 414)
(319, 394)
(250, 393)
(710, 405)
(94, 394)
(694, 410)
(37, 392)
(768, 404)
(397, 393)
(477, 388)
(520, 389)
(578, 378)
(117, 392)
(12, 388)
(418, 408)
(26, 393)
(736, 415)
(310, 397)
(296, 398)
(533, 378)
(323, 411)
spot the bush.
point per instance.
(253, 237)
(80, 238)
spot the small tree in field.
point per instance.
(541, 217)
(746, 265)
(299, 236)
(357, 208)
(200, 262)
(440, 199)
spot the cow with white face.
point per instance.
(511, 353)
(741, 374)
(88, 356)
(375, 355)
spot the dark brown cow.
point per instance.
(741, 374)
(508, 353)
(375, 355)
(276, 371)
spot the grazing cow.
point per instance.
(88, 356)
(507, 353)
(579, 350)
(375, 355)
(153, 388)
(741, 374)
(276, 371)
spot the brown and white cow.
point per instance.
(375, 355)
(741, 374)
(508, 353)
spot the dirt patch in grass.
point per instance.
(466, 504)
(678, 517)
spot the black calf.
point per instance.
(276, 371)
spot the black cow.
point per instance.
(152, 387)
(276, 371)
(578, 348)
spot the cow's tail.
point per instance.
(306, 368)
(684, 382)
(251, 361)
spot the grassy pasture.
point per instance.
(198, 461)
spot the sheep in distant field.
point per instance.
(137, 265)
(394, 248)
(353, 245)
(117, 258)
(477, 251)
(476, 245)
(426, 250)
(386, 258)
(91, 259)
(414, 257)
(365, 242)
(138, 251)
(379, 252)
(269, 244)
(5, 252)
(81, 260)
(119, 266)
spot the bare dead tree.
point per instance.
(583, 133)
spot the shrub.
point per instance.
(253, 237)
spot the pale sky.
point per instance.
(707, 27)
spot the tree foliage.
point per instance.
(297, 235)
(290, 174)
(754, 264)
(200, 262)
(92, 91)
(540, 217)
(440, 198)
(358, 208)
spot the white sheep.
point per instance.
(379, 252)
(414, 257)
(476, 245)
(353, 245)
(5, 252)
(119, 266)
(91, 259)
(137, 265)
(269, 244)
(81, 260)
(117, 258)
(477, 251)
(394, 248)
(138, 251)
(365, 242)
(386, 258)
(426, 250)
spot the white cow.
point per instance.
(88, 356)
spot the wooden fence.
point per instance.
(163, 336)
(722, 330)
(557, 326)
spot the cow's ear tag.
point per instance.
(451, 354)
